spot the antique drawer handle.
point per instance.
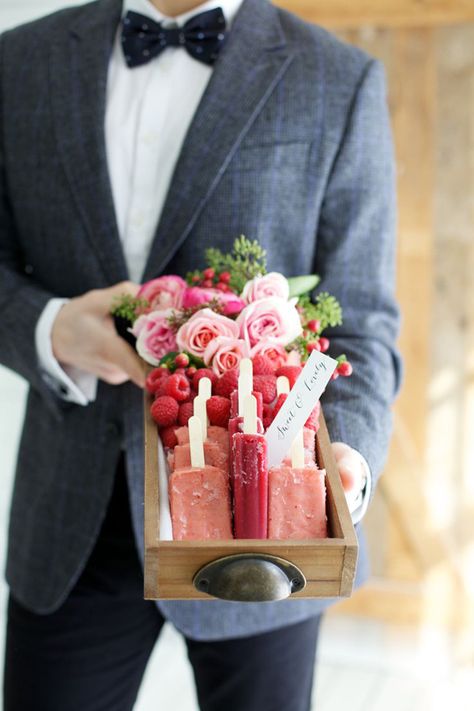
(249, 577)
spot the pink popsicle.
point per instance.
(309, 443)
(296, 503)
(214, 434)
(234, 403)
(214, 456)
(249, 452)
(200, 504)
(236, 425)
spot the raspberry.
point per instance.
(156, 379)
(314, 325)
(164, 411)
(279, 404)
(227, 383)
(186, 410)
(220, 286)
(267, 416)
(177, 386)
(182, 360)
(204, 373)
(291, 372)
(168, 437)
(262, 365)
(218, 410)
(324, 343)
(190, 371)
(344, 369)
(313, 420)
(265, 384)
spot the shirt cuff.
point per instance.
(69, 383)
(358, 507)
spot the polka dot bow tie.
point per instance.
(202, 36)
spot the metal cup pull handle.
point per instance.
(250, 577)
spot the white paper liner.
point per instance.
(166, 529)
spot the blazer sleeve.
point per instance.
(356, 259)
(21, 299)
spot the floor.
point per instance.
(362, 665)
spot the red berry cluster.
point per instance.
(174, 393)
(208, 279)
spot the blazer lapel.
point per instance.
(78, 70)
(251, 64)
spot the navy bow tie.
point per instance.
(202, 36)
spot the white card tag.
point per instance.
(298, 405)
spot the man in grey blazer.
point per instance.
(288, 142)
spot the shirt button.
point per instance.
(149, 139)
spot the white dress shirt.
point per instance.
(148, 112)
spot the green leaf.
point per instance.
(303, 284)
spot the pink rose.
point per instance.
(196, 295)
(163, 293)
(154, 336)
(273, 351)
(271, 319)
(195, 335)
(225, 353)
(261, 287)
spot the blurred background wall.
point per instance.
(421, 524)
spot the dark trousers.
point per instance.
(90, 655)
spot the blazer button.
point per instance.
(113, 429)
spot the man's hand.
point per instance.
(84, 336)
(351, 470)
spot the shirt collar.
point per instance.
(145, 7)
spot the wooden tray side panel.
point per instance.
(338, 512)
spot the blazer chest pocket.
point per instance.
(268, 157)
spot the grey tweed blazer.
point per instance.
(291, 145)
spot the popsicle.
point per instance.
(216, 434)
(234, 403)
(249, 454)
(297, 497)
(199, 495)
(309, 445)
(236, 421)
(214, 456)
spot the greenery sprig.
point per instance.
(326, 309)
(128, 307)
(246, 261)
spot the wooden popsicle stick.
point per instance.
(245, 382)
(283, 385)
(250, 415)
(297, 451)
(200, 411)
(205, 388)
(195, 442)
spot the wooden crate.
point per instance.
(328, 565)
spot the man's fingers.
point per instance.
(348, 477)
(350, 466)
(104, 298)
(120, 354)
